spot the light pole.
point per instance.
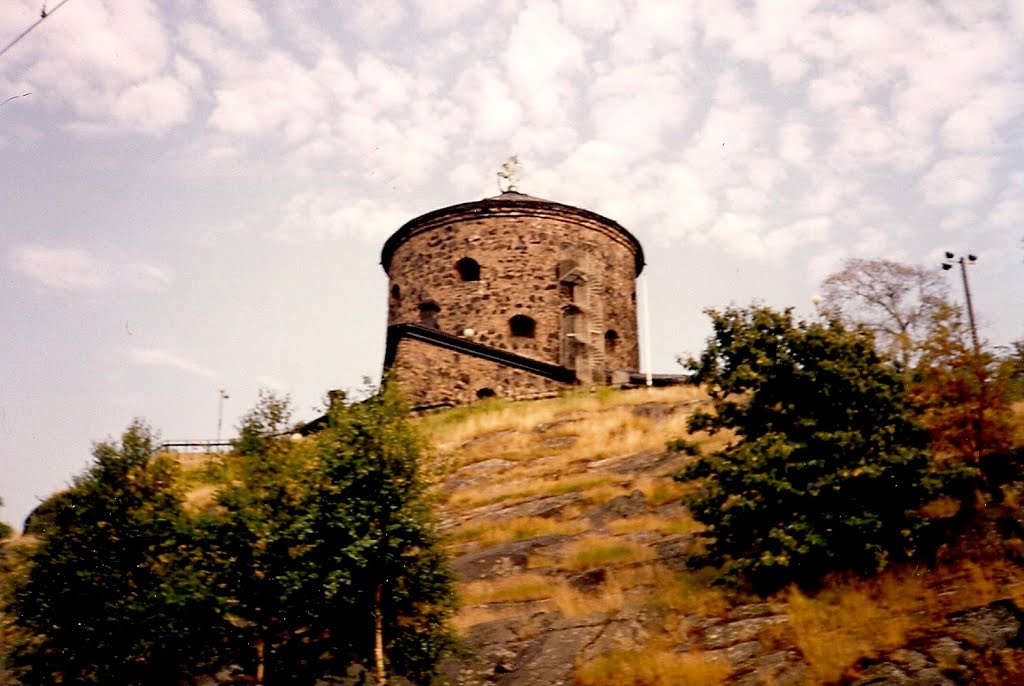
(967, 291)
(980, 418)
(222, 395)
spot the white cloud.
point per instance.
(75, 269)
(241, 20)
(159, 357)
(1008, 209)
(540, 57)
(326, 214)
(435, 15)
(593, 17)
(958, 181)
(146, 277)
(795, 143)
(975, 125)
(639, 105)
(61, 268)
(108, 61)
(375, 18)
(652, 27)
(745, 235)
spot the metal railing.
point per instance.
(195, 446)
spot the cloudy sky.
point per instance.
(194, 194)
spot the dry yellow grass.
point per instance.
(607, 599)
(523, 489)
(655, 666)
(595, 551)
(472, 616)
(688, 593)
(683, 524)
(608, 415)
(855, 618)
(515, 588)
(488, 533)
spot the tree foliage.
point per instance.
(959, 395)
(895, 301)
(313, 540)
(108, 598)
(6, 530)
(826, 471)
(308, 551)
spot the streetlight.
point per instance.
(222, 394)
(946, 266)
(980, 419)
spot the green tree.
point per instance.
(108, 597)
(6, 530)
(379, 544)
(322, 550)
(257, 540)
(826, 471)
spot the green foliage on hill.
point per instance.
(313, 555)
(828, 471)
(109, 598)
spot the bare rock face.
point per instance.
(505, 558)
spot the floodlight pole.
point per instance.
(970, 305)
(222, 395)
(980, 420)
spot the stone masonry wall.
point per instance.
(431, 375)
(518, 251)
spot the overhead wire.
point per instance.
(42, 15)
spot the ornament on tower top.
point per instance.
(508, 175)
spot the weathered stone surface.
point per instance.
(624, 632)
(550, 658)
(994, 626)
(503, 559)
(946, 651)
(621, 507)
(644, 462)
(780, 668)
(912, 660)
(884, 674)
(547, 506)
(725, 634)
(478, 473)
(518, 245)
(559, 442)
(930, 677)
(557, 424)
(737, 654)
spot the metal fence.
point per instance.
(195, 446)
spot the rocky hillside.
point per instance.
(568, 539)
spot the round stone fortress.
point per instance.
(511, 296)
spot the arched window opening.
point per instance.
(396, 292)
(611, 340)
(485, 393)
(522, 326)
(469, 269)
(428, 314)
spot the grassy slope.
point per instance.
(490, 459)
(585, 455)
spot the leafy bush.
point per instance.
(827, 471)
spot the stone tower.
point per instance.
(511, 296)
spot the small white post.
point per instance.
(647, 330)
